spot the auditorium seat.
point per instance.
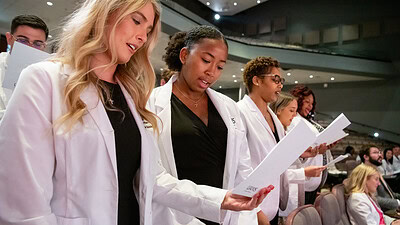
(304, 215)
(339, 192)
(328, 209)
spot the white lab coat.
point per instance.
(48, 177)
(296, 177)
(311, 183)
(362, 211)
(261, 141)
(4, 92)
(237, 162)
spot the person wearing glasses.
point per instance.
(26, 29)
(263, 129)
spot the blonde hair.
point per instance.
(85, 35)
(358, 179)
(283, 101)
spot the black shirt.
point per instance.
(199, 150)
(128, 150)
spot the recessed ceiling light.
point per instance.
(241, 69)
(288, 74)
(332, 78)
(162, 69)
(376, 134)
(220, 86)
(296, 82)
(258, 1)
(311, 76)
(235, 3)
(50, 36)
(207, 3)
(217, 16)
(325, 85)
(242, 34)
(233, 75)
(235, 81)
(49, 3)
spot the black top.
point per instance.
(199, 150)
(276, 132)
(128, 150)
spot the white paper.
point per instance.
(338, 159)
(21, 57)
(278, 160)
(334, 131)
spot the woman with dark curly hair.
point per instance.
(202, 138)
(305, 111)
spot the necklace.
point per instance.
(110, 100)
(195, 102)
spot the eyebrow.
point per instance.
(224, 61)
(145, 19)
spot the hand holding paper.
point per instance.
(278, 160)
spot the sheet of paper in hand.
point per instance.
(278, 160)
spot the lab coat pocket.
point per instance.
(72, 221)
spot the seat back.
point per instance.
(304, 215)
(328, 208)
(339, 192)
(350, 165)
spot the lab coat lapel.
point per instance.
(278, 124)
(98, 113)
(254, 109)
(163, 110)
(231, 159)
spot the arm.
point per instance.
(27, 156)
(262, 219)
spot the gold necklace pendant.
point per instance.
(195, 102)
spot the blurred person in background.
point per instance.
(26, 29)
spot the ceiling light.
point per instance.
(49, 3)
(289, 74)
(242, 34)
(258, 1)
(296, 82)
(376, 134)
(235, 81)
(325, 85)
(64, 29)
(208, 3)
(162, 69)
(220, 87)
(233, 75)
(235, 3)
(217, 16)
(50, 36)
(311, 76)
(241, 69)
(332, 78)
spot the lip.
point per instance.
(204, 84)
(132, 47)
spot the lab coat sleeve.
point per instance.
(27, 157)
(185, 196)
(296, 176)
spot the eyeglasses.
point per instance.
(36, 44)
(276, 78)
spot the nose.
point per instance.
(211, 70)
(142, 36)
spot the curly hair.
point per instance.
(167, 74)
(188, 39)
(256, 67)
(301, 91)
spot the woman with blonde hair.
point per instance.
(285, 108)
(362, 205)
(74, 147)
